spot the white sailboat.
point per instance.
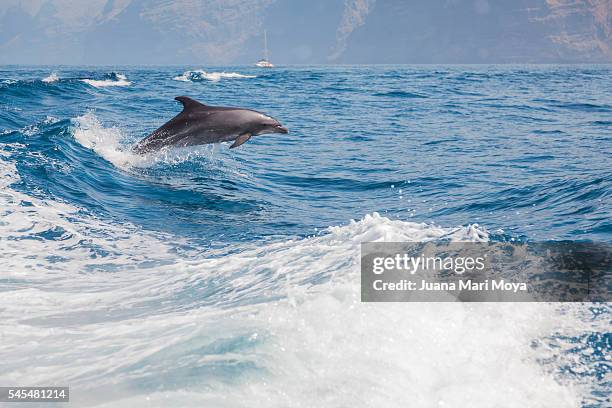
(264, 63)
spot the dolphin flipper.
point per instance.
(243, 138)
(199, 124)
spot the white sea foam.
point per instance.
(199, 75)
(51, 78)
(33, 129)
(282, 320)
(112, 144)
(106, 141)
(121, 80)
(83, 238)
(115, 312)
(49, 120)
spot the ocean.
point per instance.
(205, 276)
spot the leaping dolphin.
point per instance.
(201, 124)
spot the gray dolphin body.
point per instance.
(201, 124)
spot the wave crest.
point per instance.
(112, 144)
(52, 77)
(113, 79)
(268, 325)
(200, 75)
(108, 142)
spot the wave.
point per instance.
(65, 267)
(108, 297)
(200, 75)
(113, 79)
(112, 144)
(9, 81)
(265, 304)
(51, 78)
(33, 129)
(109, 142)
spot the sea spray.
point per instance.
(113, 79)
(51, 78)
(199, 75)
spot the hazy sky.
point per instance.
(304, 31)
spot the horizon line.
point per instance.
(307, 65)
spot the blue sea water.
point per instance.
(215, 276)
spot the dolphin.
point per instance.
(201, 124)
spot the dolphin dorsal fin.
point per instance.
(189, 104)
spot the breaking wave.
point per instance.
(209, 277)
(112, 144)
(287, 317)
(266, 303)
(51, 78)
(112, 79)
(199, 75)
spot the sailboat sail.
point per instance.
(265, 63)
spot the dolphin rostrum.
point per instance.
(201, 124)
